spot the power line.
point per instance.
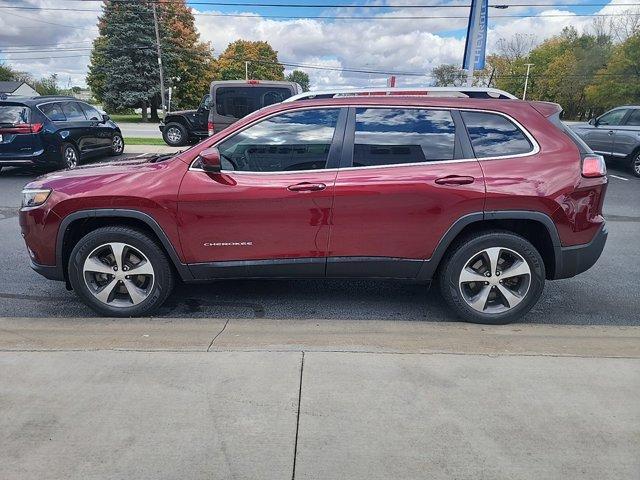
(342, 17)
(386, 6)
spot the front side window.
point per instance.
(287, 142)
(394, 136)
(90, 112)
(53, 112)
(493, 135)
(238, 102)
(634, 118)
(73, 112)
(612, 118)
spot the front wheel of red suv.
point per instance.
(120, 272)
(492, 277)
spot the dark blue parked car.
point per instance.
(54, 132)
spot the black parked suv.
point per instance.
(54, 132)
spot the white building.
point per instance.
(15, 89)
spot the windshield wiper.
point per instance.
(163, 157)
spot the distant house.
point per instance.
(16, 89)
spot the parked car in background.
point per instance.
(54, 132)
(226, 103)
(491, 197)
(615, 134)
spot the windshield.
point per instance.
(14, 114)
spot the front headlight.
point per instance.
(35, 197)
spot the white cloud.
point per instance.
(413, 45)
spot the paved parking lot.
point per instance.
(605, 295)
(322, 379)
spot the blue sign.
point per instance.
(476, 45)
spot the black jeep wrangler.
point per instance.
(186, 126)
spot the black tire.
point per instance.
(634, 163)
(163, 279)
(175, 134)
(466, 249)
(66, 160)
(117, 145)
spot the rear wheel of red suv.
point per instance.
(120, 272)
(492, 277)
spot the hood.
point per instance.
(113, 170)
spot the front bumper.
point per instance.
(570, 261)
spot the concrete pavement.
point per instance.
(143, 398)
(141, 130)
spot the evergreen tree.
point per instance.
(124, 68)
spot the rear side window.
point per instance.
(53, 111)
(238, 102)
(493, 135)
(73, 112)
(394, 136)
(14, 114)
(634, 118)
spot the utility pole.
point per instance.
(526, 81)
(155, 22)
(246, 70)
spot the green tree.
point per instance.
(185, 57)
(448, 76)
(47, 85)
(262, 58)
(619, 82)
(124, 69)
(6, 73)
(299, 77)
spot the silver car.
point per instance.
(615, 134)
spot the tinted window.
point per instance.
(612, 118)
(287, 142)
(634, 118)
(238, 102)
(90, 112)
(493, 135)
(14, 114)
(386, 136)
(53, 111)
(73, 112)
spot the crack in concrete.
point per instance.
(218, 334)
(295, 445)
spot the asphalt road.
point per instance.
(605, 295)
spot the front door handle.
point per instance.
(610, 132)
(307, 187)
(454, 180)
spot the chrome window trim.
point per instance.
(534, 151)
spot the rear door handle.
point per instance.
(454, 180)
(610, 132)
(307, 187)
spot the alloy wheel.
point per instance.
(636, 165)
(117, 144)
(118, 275)
(174, 135)
(70, 157)
(495, 280)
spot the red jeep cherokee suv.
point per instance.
(489, 196)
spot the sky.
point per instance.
(408, 41)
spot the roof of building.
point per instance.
(9, 87)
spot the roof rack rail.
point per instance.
(462, 92)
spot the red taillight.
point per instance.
(22, 128)
(210, 128)
(253, 82)
(593, 166)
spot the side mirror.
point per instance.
(105, 118)
(210, 160)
